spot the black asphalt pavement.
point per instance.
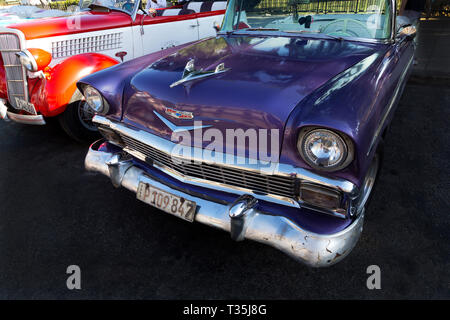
(54, 214)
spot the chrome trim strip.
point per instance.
(391, 104)
(310, 248)
(236, 162)
(393, 19)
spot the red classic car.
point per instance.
(41, 60)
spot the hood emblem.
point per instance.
(179, 114)
(190, 74)
(176, 128)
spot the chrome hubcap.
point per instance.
(85, 115)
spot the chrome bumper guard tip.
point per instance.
(241, 218)
(19, 118)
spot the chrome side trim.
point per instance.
(393, 19)
(312, 249)
(390, 106)
(236, 162)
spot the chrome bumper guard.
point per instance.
(240, 218)
(19, 118)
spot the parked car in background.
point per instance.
(26, 13)
(42, 60)
(318, 89)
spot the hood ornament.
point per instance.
(190, 74)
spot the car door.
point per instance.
(171, 27)
(210, 14)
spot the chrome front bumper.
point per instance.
(20, 118)
(240, 218)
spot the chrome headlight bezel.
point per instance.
(345, 143)
(95, 100)
(27, 60)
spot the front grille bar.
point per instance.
(263, 184)
(16, 77)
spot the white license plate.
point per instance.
(167, 202)
(25, 106)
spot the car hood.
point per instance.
(267, 77)
(83, 22)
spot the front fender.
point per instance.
(351, 103)
(60, 82)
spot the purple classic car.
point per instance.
(272, 130)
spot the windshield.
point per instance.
(125, 5)
(370, 19)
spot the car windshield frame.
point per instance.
(133, 12)
(229, 18)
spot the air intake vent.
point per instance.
(66, 48)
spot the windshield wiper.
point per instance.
(262, 29)
(315, 32)
(332, 37)
(250, 29)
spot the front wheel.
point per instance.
(76, 121)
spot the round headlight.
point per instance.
(27, 60)
(94, 99)
(324, 149)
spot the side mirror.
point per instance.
(406, 32)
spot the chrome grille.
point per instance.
(66, 48)
(252, 180)
(15, 73)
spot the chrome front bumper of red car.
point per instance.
(19, 118)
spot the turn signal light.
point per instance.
(320, 197)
